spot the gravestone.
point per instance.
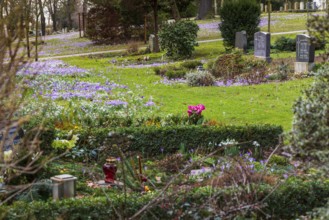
(286, 6)
(296, 6)
(305, 53)
(241, 40)
(205, 7)
(13, 137)
(152, 43)
(301, 6)
(261, 7)
(265, 10)
(308, 5)
(314, 7)
(281, 8)
(262, 43)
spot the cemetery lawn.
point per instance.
(257, 104)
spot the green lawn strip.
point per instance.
(268, 103)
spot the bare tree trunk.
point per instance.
(52, 8)
(27, 27)
(42, 18)
(69, 10)
(154, 4)
(174, 10)
(36, 30)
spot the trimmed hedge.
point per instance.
(293, 198)
(296, 197)
(150, 140)
(85, 208)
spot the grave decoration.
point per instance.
(110, 169)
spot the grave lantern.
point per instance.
(63, 186)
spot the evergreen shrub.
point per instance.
(179, 38)
(239, 15)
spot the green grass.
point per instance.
(268, 103)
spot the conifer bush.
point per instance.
(238, 15)
(179, 38)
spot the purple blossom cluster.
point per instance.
(170, 82)
(144, 65)
(213, 26)
(231, 83)
(116, 103)
(76, 89)
(264, 21)
(149, 103)
(50, 67)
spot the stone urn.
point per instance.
(110, 169)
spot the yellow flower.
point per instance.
(8, 155)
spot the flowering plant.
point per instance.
(197, 109)
(194, 113)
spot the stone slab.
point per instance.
(303, 67)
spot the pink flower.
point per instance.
(197, 109)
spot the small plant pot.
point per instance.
(110, 169)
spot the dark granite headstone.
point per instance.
(205, 7)
(241, 40)
(304, 49)
(262, 43)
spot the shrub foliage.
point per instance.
(310, 132)
(238, 15)
(179, 39)
(200, 78)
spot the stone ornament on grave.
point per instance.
(241, 40)
(305, 53)
(262, 43)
